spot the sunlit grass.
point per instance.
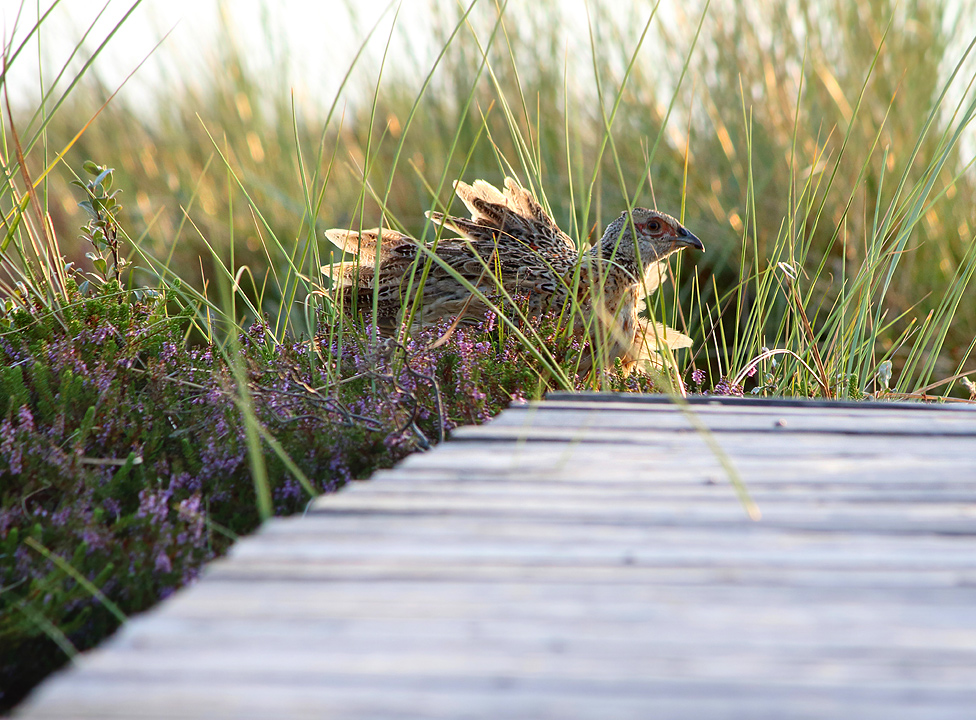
(817, 152)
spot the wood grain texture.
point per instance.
(586, 557)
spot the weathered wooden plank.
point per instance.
(926, 510)
(544, 661)
(746, 442)
(578, 462)
(472, 615)
(626, 509)
(269, 696)
(661, 492)
(582, 631)
(633, 628)
(697, 486)
(729, 404)
(588, 558)
(628, 568)
(790, 420)
(301, 569)
(415, 562)
(677, 449)
(694, 485)
(619, 544)
(758, 409)
(665, 507)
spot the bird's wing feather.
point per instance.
(510, 220)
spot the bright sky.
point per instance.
(320, 37)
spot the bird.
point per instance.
(510, 247)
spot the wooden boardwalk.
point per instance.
(586, 557)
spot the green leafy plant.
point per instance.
(102, 229)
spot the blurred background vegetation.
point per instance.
(797, 119)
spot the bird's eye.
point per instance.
(654, 225)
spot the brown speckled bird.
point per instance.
(510, 247)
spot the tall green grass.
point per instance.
(822, 151)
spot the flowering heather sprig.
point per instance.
(725, 387)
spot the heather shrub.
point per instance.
(124, 459)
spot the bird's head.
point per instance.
(658, 235)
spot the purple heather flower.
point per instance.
(338, 469)
(104, 380)
(288, 490)
(190, 575)
(191, 512)
(163, 563)
(724, 387)
(698, 376)
(26, 418)
(168, 351)
(154, 505)
(9, 448)
(61, 517)
(112, 506)
(92, 539)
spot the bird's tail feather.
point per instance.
(370, 247)
(513, 211)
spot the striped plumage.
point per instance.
(509, 240)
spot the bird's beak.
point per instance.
(686, 239)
